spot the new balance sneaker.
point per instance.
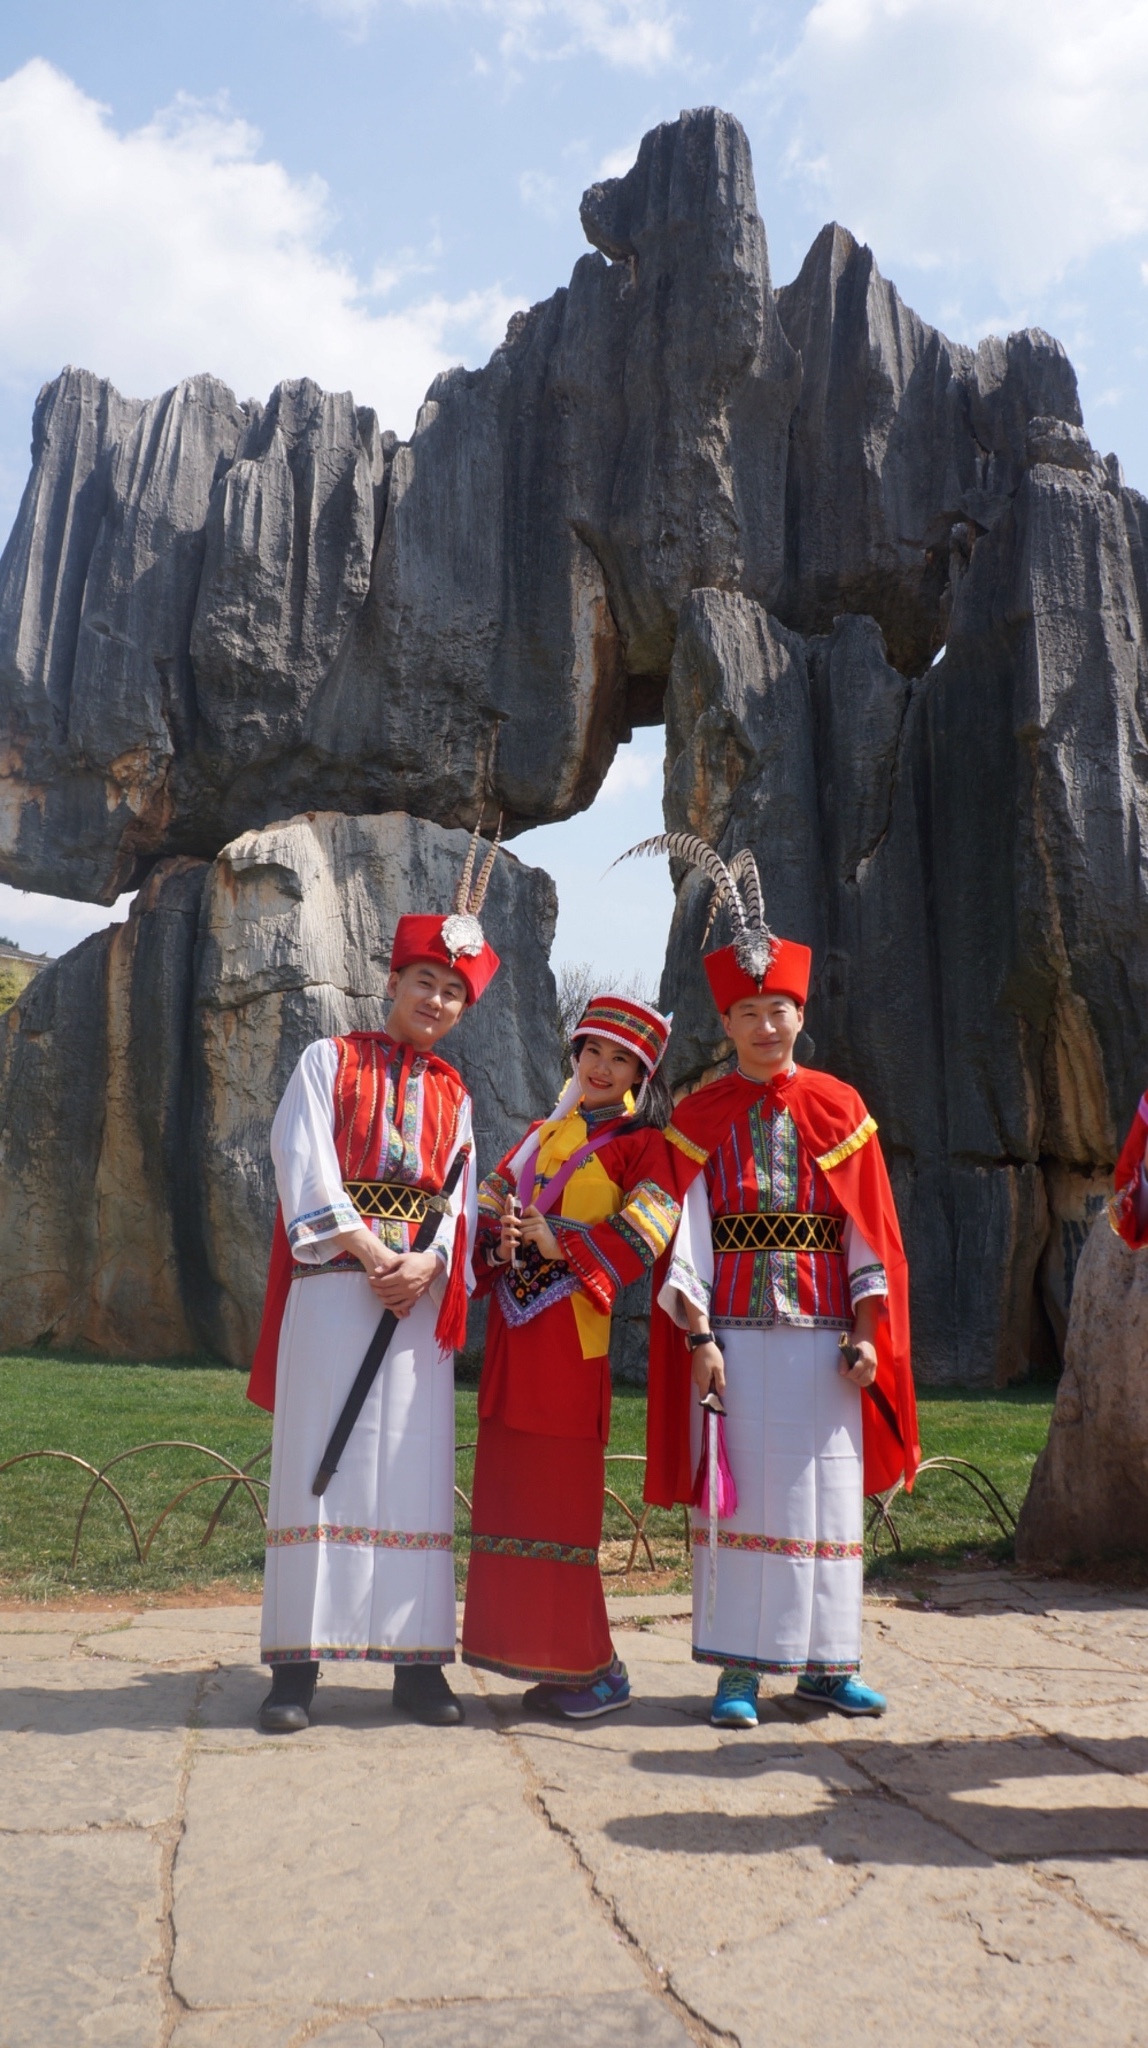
(537, 1699)
(605, 1696)
(735, 1701)
(845, 1694)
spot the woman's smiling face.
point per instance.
(606, 1072)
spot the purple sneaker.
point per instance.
(537, 1698)
(605, 1696)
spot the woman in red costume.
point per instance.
(591, 1181)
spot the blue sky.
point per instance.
(363, 190)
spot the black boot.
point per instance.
(286, 1708)
(422, 1692)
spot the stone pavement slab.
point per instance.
(971, 1868)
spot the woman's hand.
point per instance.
(708, 1368)
(510, 1233)
(536, 1231)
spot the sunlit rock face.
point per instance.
(887, 598)
(964, 854)
(140, 1073)
(1086, 1502)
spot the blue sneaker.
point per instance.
(735, 1701)
(605, 1696)
(845, 1694)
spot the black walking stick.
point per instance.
(377, 1348)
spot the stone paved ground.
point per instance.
(969, 1871)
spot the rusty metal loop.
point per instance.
(207, 1479)
(137, 1451)
(221, 1504)
(98, 1479)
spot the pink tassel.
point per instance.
(726, 1489)
(726, 1485)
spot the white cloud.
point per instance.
(540, 194)
(635, 769)
(638, 35)
(1003, 135)
(175, 248)
(50, 924)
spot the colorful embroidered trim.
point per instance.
(778, 1321)
(534, 1674)
(648, 1220)
(348, 1653)
(360, 1539)
(675, 1137)
(849, 1145)
(734, 1662)
(524, 1294)
(867, 1280)
(777, 1546)
(524, 1546)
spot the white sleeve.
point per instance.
(464, 1198)
(691, 1269)
(866, 1273)
(308, 1176)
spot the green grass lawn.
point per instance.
(98, 1410)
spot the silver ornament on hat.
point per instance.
(462, 934)
(737, 888)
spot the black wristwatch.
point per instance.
(696, 1338)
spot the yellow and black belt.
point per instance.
(776, 1230)
(392, 1201)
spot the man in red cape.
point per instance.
(1128, 1208)
(788, 1245)
(363, 1142)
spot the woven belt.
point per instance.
(392, 1201)
(776, 1230)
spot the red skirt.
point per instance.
(535, 1608)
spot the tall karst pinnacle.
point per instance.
(887, 599)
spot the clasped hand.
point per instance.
(399, 1279)
(529, 1228)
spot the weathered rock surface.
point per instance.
(905, 447)
(1087, 1500)
(193, 639)
(140, 1073)
(790, 504)
(964, 853)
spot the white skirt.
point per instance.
(789, 1562)
(368, 1570)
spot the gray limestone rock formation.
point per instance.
(1087, 1501)
(140, 1073)
(901, 607)
(963, 852)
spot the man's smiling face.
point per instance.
(427, 1000)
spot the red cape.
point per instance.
(450, 1327)
(1122, 1208)
(833, 1123)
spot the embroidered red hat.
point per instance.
(457, 940)
(757, 963)
(790, 965)
(429, 938)
(637, 1026)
